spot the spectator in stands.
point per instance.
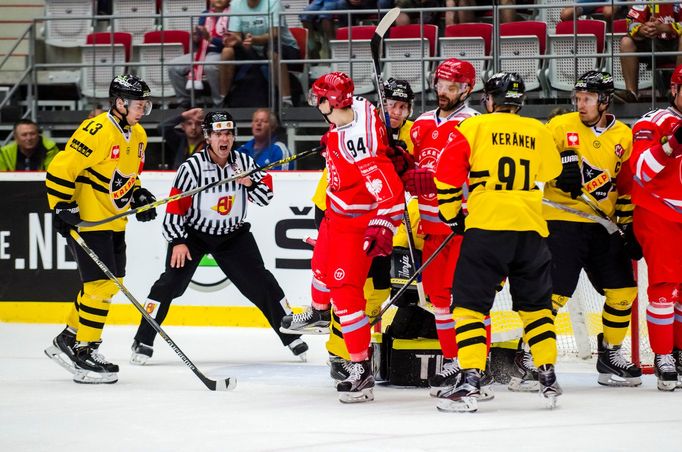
(466, 16)
(364, 4)
(30, 151)
(320, 27)
(656, 28)
(208, 38)
(428, 17)
(183, 136)
(256, 38)
(265, 148)
(608, 12)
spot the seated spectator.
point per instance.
(650, 28)
(29, 151)
(208, 43)
(250, 37)
(364, 4)
(320, 26)
(608, 12)
(265, 148)
(429, 18)
(183, 136)
(467, 16)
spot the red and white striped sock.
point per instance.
(356, 334)
(659, 319)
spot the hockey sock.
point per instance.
(558, 302)
(336, 344)
(72, 318)
(375, 297)
(488, 333)
(320, 294)
(445, 328)
(677, 326)
(540, 335)
(660, 316)
(356, 333)
(94, 302)
(471, 340)
(616, 314)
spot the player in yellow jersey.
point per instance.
(595, 149)
(96, 177)
(399, 99)
(502, 155)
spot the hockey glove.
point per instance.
(632, 247)
(457, 224)
(401, 159)
(419, 181)
(675, 142)
(570, 180)
(66, 217)
(142, 197)
(379, 237)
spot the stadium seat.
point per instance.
(470, 42)
(361, 72)
(551, 16)
(613, 64)
(183, 10)
(357, 32)
(293, 6)
(414, 31)
(525, 41)
(68, 33)
(138, 26)
(102, 50)
(161, 47)
(409, 44)
(300, 34)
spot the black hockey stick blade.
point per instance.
(161, 202)
(214, 385)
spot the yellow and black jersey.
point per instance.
(98, 169)
(602, 155)
(502, 155)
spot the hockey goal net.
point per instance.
(579, 322)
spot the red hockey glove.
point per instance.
(379, 237)
(401, 159)
(419, 181)
(675, 141)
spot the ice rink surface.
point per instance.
(282, 404)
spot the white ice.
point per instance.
(283, 404)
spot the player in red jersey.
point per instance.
(657, 194)
(364, 207)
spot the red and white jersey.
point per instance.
(361, 178)
(430, 134)
(657, 177)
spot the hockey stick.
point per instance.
(160, 202)
(405, 286)
(413, 256)
(595, 207)
(214, 385)
(609, 225)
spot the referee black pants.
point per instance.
(238, 257)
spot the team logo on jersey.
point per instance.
(375, 186)
(428, 159)
(434, 135)
(619, 151)
(121, 188)
(596, 144)
(573, 139)
(115, 152)
(596, 181)
(339, 274)
(224, 205)
(375, 181)
(80, 147)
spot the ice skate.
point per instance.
(525, 379)
(446, 378)
(359, 386)
(141, 353)
(487, 381)
(678, 366)
(463, 396)
(91, 366)
(310, 321)
(664, 369)
(61, 350)
(613, 368)
(549, 387)
(299, 348)
(339, 368)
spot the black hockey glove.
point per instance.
(570, 180)
(66, 217)
(142, 197)
(457, 224)
(632, 247)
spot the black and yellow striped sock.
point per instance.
(616, 314)
(540, 335)
(471, 338)
(94, 301)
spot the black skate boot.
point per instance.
(91, 366)
(359, 386)
(61, 350)
(310, 321)
(446, 378)
(299, 348)
(549, 387)
(463, 396)
(487, 381)
(613, 368)
(664, 369)
(525, 378)
(141, 353)
(678, 366)
(339, 368)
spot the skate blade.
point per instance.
(667, 386)
(516, 384)
(303, 357)
(311, 330)
(461, 405)
(60, 358)
(616, 381)
(94, 378)
(550, 400)
(138, 359)
(364, 395)
(486, 393)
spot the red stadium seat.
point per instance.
(414, 31)
(119, 37)
(526, 28)
(471, 30)
(584, 27)
(168, 37)
(358, 32)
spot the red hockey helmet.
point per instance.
(454, 70)
(676, 78)
(336, 87)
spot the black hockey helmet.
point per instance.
(398, 90)
(217, 121)
(130, 87)
(505, 88)
(600, 82)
